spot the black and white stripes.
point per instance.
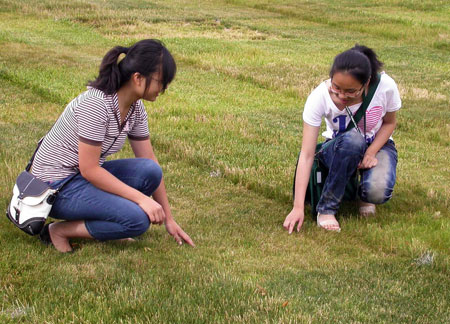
(93, 118)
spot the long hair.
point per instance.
(360, 61)
(145, 57)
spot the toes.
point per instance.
(127, 240)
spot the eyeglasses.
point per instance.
(157, 80)
(348, 93)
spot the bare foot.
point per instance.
(127, 240)
(61, 243)
(366, 209)
(328, 222)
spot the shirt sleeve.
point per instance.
(393, 100)
(314, 107)
(92, 118)
(140, 131)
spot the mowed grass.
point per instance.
(227, 133)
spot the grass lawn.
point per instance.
(227, 133)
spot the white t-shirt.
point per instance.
(319, 104)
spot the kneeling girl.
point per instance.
(369, 149)
(109, 200)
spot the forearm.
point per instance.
(382, 136)
(302, 179)
(143, 149)
(304, 164)
(160, 196)
(104, 180)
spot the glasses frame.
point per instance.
(347, 94)
(157, 80)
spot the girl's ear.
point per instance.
(366, 87)
(137, 78)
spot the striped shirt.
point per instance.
(93, 118)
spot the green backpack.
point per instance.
(319, 172)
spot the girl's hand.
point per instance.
(153, 210)
(178, 234)
(296, 215)
(369, 161)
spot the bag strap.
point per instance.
(30, 163)
(28, 167)
(366, 101)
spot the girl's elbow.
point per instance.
(87, 173)
(84, 174)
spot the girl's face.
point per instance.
(155, 87)
(346, 89)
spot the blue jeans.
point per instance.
(342, 157)
(108, 216)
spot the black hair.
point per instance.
(145, 57)
(360, 61)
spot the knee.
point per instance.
(151, 171)
(377, 189)
(352, 142)
(138, 225)
(377, 193)
(379, 182)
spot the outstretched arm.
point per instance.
(297, 214)
(144, 149)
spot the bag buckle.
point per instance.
(51, 198)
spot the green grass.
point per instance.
(227, 133)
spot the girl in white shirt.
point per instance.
(371, 150)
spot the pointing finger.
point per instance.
(291, 227)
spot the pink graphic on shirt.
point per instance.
(373, 116)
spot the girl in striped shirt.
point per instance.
(109, 200)
(371, 150)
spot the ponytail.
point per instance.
(109, 77)
(360, 61)
(145, 57)
(375, 64)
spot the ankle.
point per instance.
(366, 209)
(59, 241)
(326, 216)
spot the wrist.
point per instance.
(168, 214)
(169, 220)
(370, 152)
(141, 199)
